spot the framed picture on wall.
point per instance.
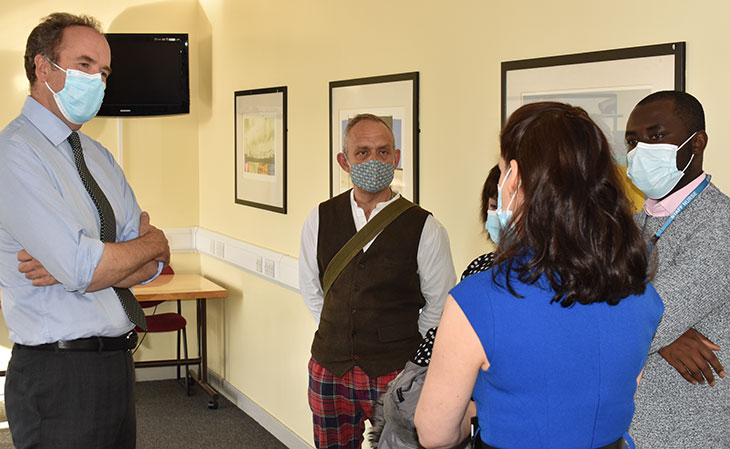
(607, 84)
(394, 98)
(260, 148)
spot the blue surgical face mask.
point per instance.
(373, 175)
(81, 96)
(492, 226)
(653, 167)
(500, 218)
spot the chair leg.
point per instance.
(187, 367)
(178, 344)
(178, 355)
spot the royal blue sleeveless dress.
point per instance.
(558, 377)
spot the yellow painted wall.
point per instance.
(182, 167)
(457, 47)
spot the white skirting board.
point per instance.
(261, 416)
(240, 400)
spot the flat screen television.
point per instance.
(149, 76)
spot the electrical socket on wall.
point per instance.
(259, 264)
(269, 268)
(219, 249)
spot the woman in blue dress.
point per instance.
(550, 342)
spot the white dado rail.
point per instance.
(270, 265)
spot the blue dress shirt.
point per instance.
(45, 209)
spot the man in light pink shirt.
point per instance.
(680, 402)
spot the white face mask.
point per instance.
(653, 167)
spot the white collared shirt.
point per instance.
(435, 266)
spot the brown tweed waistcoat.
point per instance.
(370, 314)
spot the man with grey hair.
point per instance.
(72, 241)
(392, 278)
(686, 220)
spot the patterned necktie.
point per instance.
(108, 228)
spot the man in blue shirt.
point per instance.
(72, 241)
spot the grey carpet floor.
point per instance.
(168, 419)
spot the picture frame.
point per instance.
(607, 84)
(260, 130)
(394, 98)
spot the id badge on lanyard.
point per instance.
(683, 205)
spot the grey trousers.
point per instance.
(70, 400)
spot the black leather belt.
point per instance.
(618, 444)
(91, 344)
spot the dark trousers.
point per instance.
(71, 400)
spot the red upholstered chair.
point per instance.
(169, 322)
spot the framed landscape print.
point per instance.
(260, 148)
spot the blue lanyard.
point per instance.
(676, 212)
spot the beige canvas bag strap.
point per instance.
(358, 241)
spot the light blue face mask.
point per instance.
(373, 175)
(492, 226)
(499, 219)
(81, 96)
(653, 167)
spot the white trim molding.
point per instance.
(181, 240)
(270, 265)
(255, 411)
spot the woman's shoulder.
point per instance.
(485, 289)
(473, 292)
(651, 299)
(475, 281)
(478, 265)
(643, 305)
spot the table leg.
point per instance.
(202, 378)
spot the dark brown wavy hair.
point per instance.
(574, 226)
(489, 190)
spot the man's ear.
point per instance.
(699, 143)
(342, 160)
(397, 157)
(42, 67)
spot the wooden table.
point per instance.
(171, 287)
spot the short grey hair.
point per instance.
(359, 118)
